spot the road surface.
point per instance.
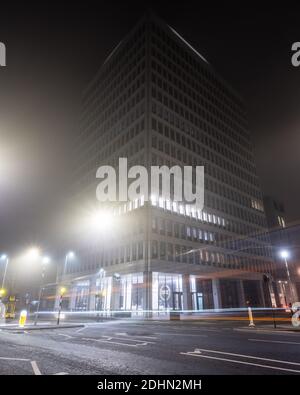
(150, 347)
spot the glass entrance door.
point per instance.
(199, 301)
(177, 300)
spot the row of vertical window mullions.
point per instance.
(181, 231)
(234, 226)
(110, 101)
(213, 186)
(186, 254)
(159, 66)
(185, 56)
(179, 56)
(188, 116)
(126, 136)
(188, 211)
(138, 128)
(200, 149)
(171, 102)
(127, 110)
(169, 149)
(115, 70)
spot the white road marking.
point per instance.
(34, 365)
(266, 331)
(14, 359)
(81, 329)
(247, 356)
(35, 368)
(128, 335)
(241, 362)
(110, 340)
(272, 341)
(198, 330)
(180, 334)
(131, 340)
(61, 374)
(67, 336)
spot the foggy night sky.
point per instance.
(54, 50)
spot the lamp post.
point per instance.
(62, 292)
(2, 306)
(4, 257)
(2, 293)
(284, 255)
(102, 274)
(45, 262)
(100, 295)
(69, 255)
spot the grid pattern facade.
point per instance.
(157, 102)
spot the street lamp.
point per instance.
(102, 274)
(100, 221)
(100, 296)
(45, 261)
(4, 257)
(285, 255)
(2, 293)
(33, 253)
(69, 256)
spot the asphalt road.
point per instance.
(138, 347)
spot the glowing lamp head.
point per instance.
(284, 254)
(101, 220)
(71, 254)
(63, 290)
(2, 292)
(33, 253)
(3, 257)
(46, 260)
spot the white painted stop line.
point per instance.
(14, 359)
(272, 341)
(35, 368)
(198, 354)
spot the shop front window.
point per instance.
(82, 290)
(103, 293)
(131, 292)
(166, 291)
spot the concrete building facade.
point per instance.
(157, 101)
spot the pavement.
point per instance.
(151, 347)
(38, 327)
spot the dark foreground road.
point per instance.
(136, 347)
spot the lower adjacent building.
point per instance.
(286, 253)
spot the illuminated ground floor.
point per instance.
(160, 291)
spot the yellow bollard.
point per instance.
(250, 317)
(23, 317)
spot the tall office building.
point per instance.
(157, 101)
